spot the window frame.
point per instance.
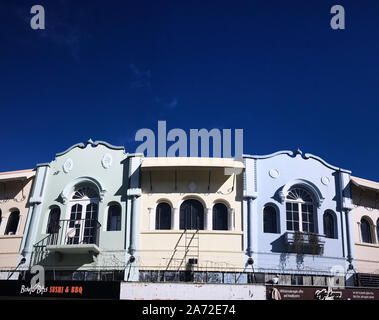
(369, 229)
(226, 222)
(333, 221)
(299, 202)
(110, 216)
(13, 212)
(157, 225)
(276, 218)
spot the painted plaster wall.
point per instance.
(218, 250)
(113, 182)
(366, 205)
(265, 187)
(14, 195)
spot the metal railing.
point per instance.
(71, 232)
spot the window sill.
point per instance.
(13, 236)
(364, 244)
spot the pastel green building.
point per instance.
(83, 215)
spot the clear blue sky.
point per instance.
(104, 69)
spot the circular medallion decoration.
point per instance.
(192, 186)
(274, 173)
(106, 161)
(68, 165)
(325, 180)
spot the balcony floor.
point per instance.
(74, 248)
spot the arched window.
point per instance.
(220, 217)
(114, 218)
(300, 210)
(163, 216)
(12, 223)
(83, 222)
(366, 231)
(192, 215)
(270, 220)
(329, 224)
(53, 223)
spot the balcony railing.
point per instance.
(304, 243)
(72, 232)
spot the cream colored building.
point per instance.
(191, 215)
(14, 195)
(365, 196)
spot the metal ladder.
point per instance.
(190, 249)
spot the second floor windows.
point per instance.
(300, 210)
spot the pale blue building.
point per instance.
(297, 219)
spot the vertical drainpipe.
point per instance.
(35, 200)
(250, 195)
(346, 207)
(133, 194)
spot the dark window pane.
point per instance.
(163, 217)
(12, 223)
(53, 224)
(366, 231)
(296, 226)
(192, 215)
(289, 226)
(329, 225)
(270, 219)
(220, 217)
(114, 218)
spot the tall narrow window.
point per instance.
(377, 231)
(300, 210)
(366, 231)
(1, 216)
(53, 223)
(329, 224)
(270, 220)
(114, 218)
(163, 217)
(12, 223)
(192, 215)
(220, 217)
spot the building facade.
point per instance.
(365, 195)
(298, 219)
(191, 220)
(82, 211)
(15, 188)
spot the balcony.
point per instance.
(74, 237)
(304, 243)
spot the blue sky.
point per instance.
(276, 69)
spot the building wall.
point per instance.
(218, 250)
(268, 179)
(366, 204)
(55, 186)
(14, 196)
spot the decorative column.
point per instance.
(152, 219)
(208, 219)
(175, 219)
(231, 219)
